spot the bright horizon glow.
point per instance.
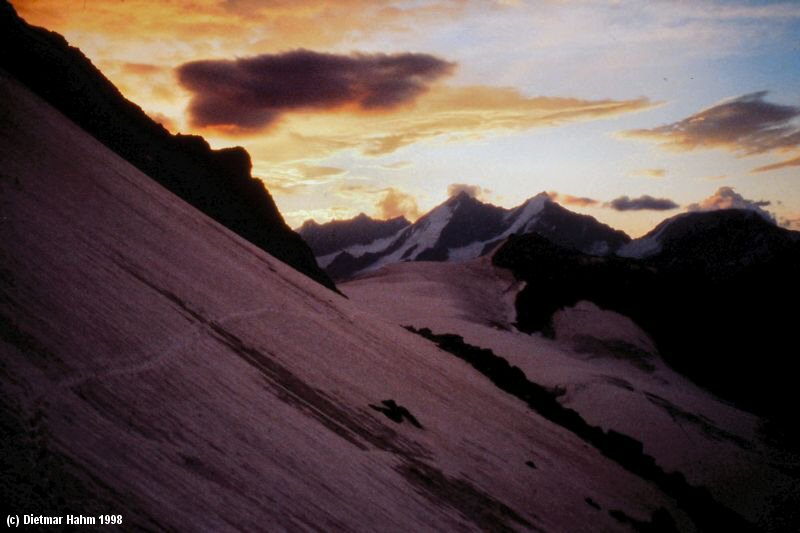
(593, 100)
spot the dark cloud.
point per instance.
(474, 191)
(252, 93)
(728, 198)
(624, 203)
(747, 124)
(568, 199)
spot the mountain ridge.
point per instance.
(217, 182)
(462, 227)
(360, 230)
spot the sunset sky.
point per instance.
(628, 111)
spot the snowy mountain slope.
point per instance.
(608, 370)
(464, 228)
(156, 365)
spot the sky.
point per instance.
(631, 112)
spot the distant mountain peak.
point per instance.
(726, 227)
(463, 227)
(338, 235)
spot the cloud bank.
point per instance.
(252, 93)
(568, 199)
(747, 125)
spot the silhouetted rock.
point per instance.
(217, 182)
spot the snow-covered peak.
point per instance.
(421, 236)
(526, 213)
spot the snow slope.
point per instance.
(156, 365)
(610, 373)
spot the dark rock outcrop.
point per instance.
(217, 182)
(578, 232)
(396, 413)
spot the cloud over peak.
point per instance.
(728, 198)
(473, 191)
(252, 93)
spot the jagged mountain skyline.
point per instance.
(630, 108)
(464, 227)
(459, 229)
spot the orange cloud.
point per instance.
(317, 171)
(791, 222)
(164, 121)
(568, 199)
(793, 162)
(396, 203)
(471, 112)
(650, 172)
(200, 27)
(296, 178)
(142, 69)
(397, 165)
(445, 114)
